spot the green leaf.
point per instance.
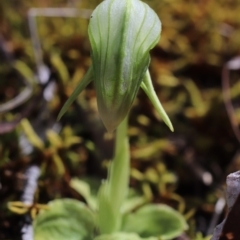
(121, 33)
(147, 86)
(65, 219)
(81, 85)
(83, 188)
(132, 203)
(155, 220)
(122, 236)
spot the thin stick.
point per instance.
(49, 12)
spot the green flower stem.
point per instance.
(119, 170)
(114, 191)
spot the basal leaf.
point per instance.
(65, 219)
(83, 188)
(122, 236)
(155, 220)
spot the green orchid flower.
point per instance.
(121, 33)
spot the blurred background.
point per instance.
(44, 53)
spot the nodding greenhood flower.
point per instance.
(121, 32)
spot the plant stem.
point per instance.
(119, 170)
(114, 191)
